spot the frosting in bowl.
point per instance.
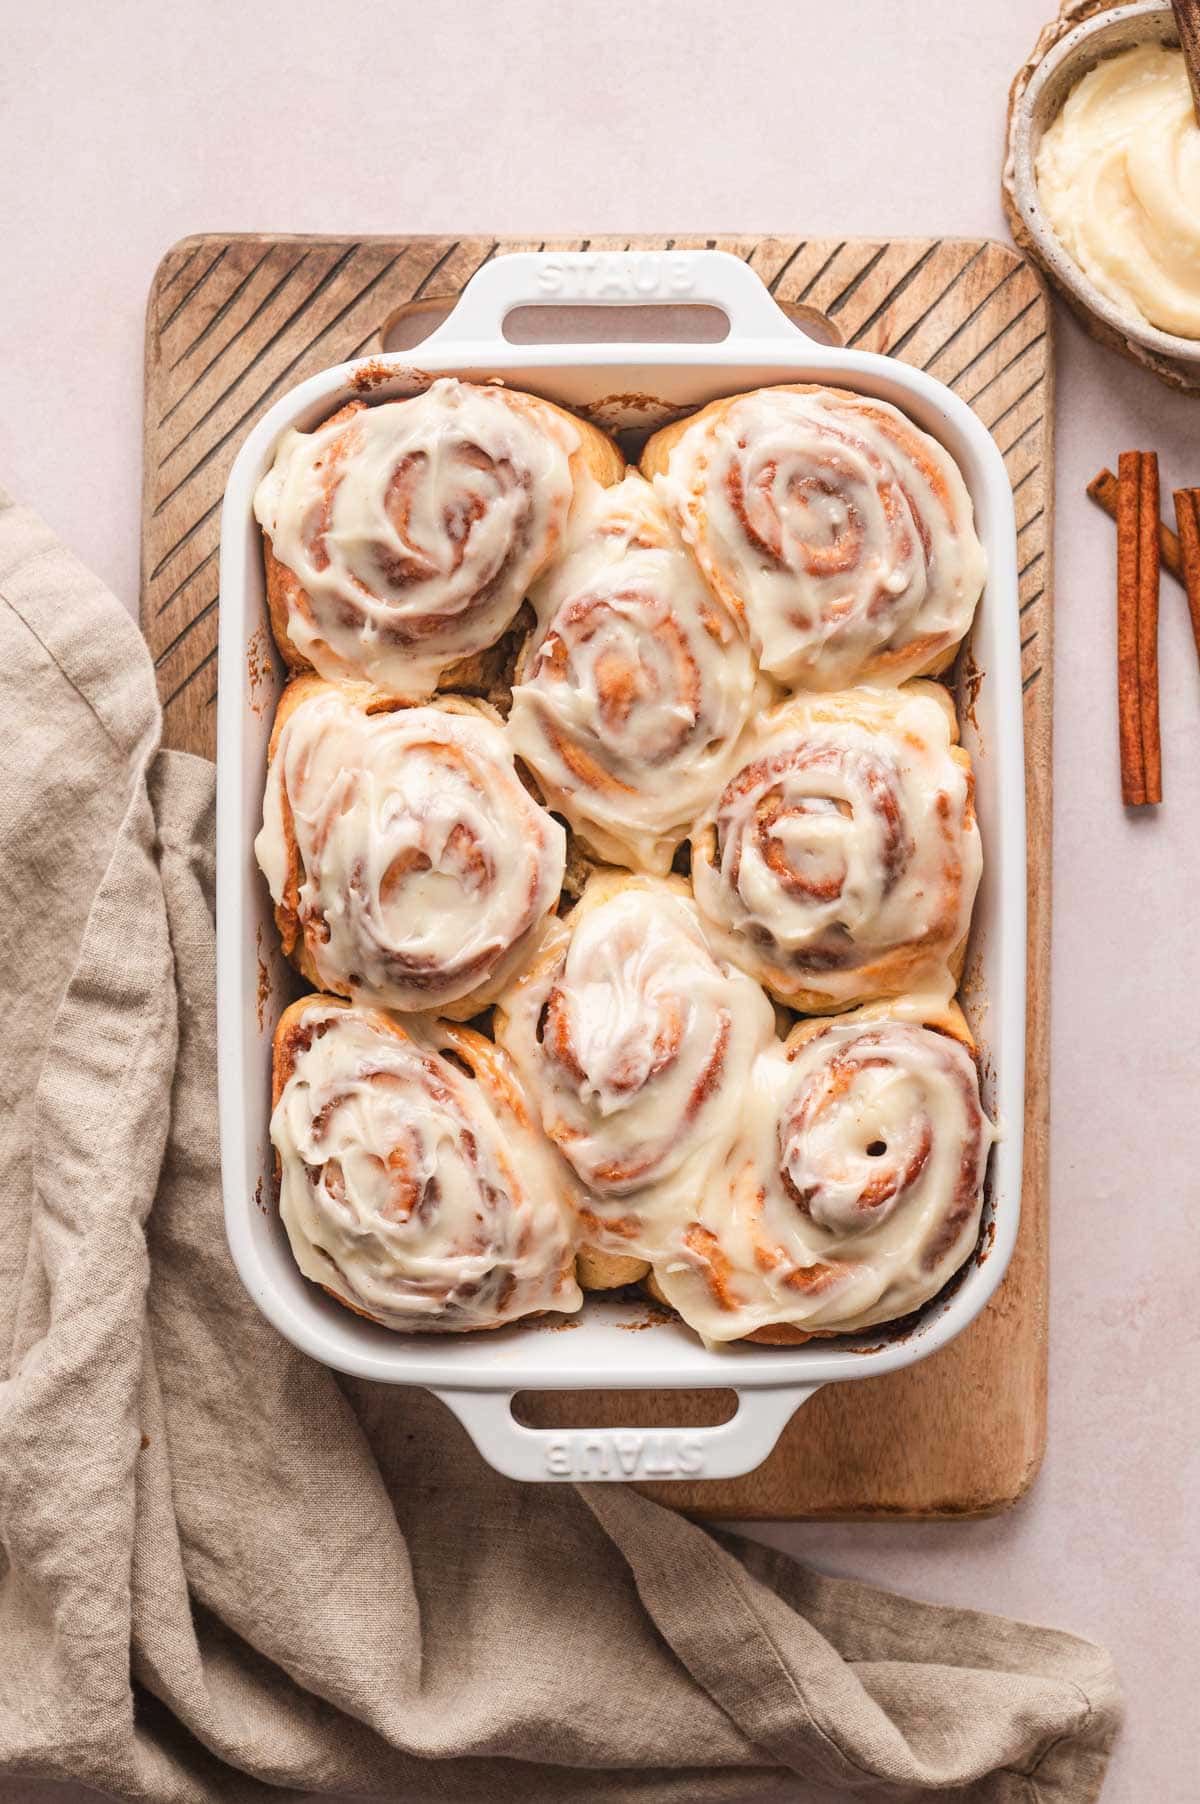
(1118, 175)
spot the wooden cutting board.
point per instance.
(233, 321)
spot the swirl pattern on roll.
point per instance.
(842, 532)
(634, 1039)
(840, 862)
(415, 1194)
(637, 685)
(854, 1190)
(403, 537)
(408, 863)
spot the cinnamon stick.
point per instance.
(1187, 519)
(1148, 525)
(1129, 703)
(1187, 23)
(1103, 491)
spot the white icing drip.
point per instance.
(638, 683)
(1118, 175)
(844, 532)
(843, 858)
(415, 527)
(636, 1041)
(854, 1189)
(418, 1195)
(427, 867)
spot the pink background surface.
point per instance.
(125, 128)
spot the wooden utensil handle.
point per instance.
(1187, 20)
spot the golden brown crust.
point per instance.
(941, 1017)
(283, 596)
(656, 452)
(595, 1270)
(597, 453)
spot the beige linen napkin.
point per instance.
(224, 1569)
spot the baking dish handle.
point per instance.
(614, 279)
(586, 1455)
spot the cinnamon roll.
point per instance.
(854, 1189)
(637, 683)
(840, 862)
(408, 863)
(634, 1039)
(842, 532)
(414, 1185)
(402, 537)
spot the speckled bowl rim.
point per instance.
(1086, 45)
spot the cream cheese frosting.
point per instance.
(635, 1039)
(1118, 176)
(842, 531)
(421, 1196)
(425, 867)
(854, 1188)
(415, 527)
(841, 861)
(637, 685)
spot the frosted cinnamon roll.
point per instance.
(408, 863)
(842, 532)
(402, 537)
(636, 686)
(854, 1189)
(414, 1185)
(634, 1039)
(840, 862)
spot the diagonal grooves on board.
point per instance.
(245, 326)
(195, 288)
(416, 294)
(190, 577)
(906, 337)
(219, 315)
(810, 285)
(975, 398)
(1009, 326)
(1013, 405)
(777, 278)
(191, 676)
(302, 307)
(188, 535)
(434, 271)
(1022, 435)
(893, 295)
(183, 632)
(171, 280)
(852, 287)
(974, 314)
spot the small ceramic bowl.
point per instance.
(1038, 95)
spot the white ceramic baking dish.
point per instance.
(624, 385)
